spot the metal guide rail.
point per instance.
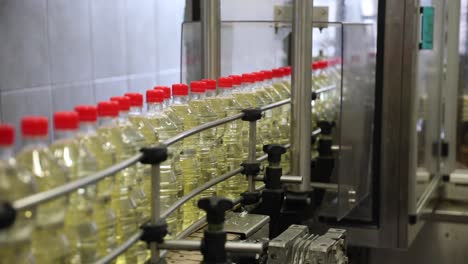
(154, 155)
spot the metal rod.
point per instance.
(200, 189)
(252, 152)
(155, 207)
(301, 92)
(42, 197)
(283, 179)
(195, 245)
(211, 32)
(274, 105)
(316, 132)
(326, 186)
(325, 89)
(428, 194)
(120, 249)
(203, 127)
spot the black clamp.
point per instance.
(154, 155)
(249, 198)
(154, 232)
(251, 168)
(215, 208)
(326, 127)
(7, 215)
(274, 152)
(314, 96)
(252, 114)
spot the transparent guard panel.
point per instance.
(191, 54)
(356, 122)
(349, 100)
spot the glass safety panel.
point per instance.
(343, 74)
(427, 102)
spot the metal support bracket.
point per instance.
(7, 215)
(154, 232)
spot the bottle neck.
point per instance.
(64, 134)
(87, 127)
(166, 103)
(225, 92)
(197, 96)
(6, 152)
(154, 107)
(211, 93)
(35, 141)
(123, 115)
(135, 110)
(180, 99)
(248, 87)
(276, 80)
(106, 121)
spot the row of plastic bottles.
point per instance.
(92, 221)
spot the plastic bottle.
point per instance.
(188, 156)
(232, 140)
(15, 182)
(171, 186)
(206, 155)
(104, 152)
(79, 225)
(50, 245)
(123, 200)
(134, 137)
(136, 117)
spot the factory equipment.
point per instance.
(359, 172)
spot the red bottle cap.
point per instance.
(108, 109)
(180, 89)
(248, 78)
(267, 74)
(277, 73)
(122, 101)
(225, 82)
(136, 99)
(166, 89)
(210, 84)
(197, 87)
(258, 76)
(7, 135)
(86, 113)
(236, 79)
(34, 126)
(155, 96)
(66, 120)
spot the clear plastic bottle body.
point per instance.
(123, 198)
(232, 145)
(50, 245)
(143, 172)
(188, 156)
(79, 223)
(16, 182)
(171, 185)
(206, 156)
(284, 123)
(104, 215)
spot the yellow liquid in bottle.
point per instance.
(188, 160)
(104, 215)
(123, 198)
(284, 125)
(206, 155)
(50, 245)
(171, 187)
(15, 241)
(232, 146)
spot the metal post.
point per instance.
(252, 151)
(301, 92)
(155, 207)
(211, 31)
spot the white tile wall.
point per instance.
(55, 54)
(108, 38)
(70, 40)
(24, 55)
(66, 97)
